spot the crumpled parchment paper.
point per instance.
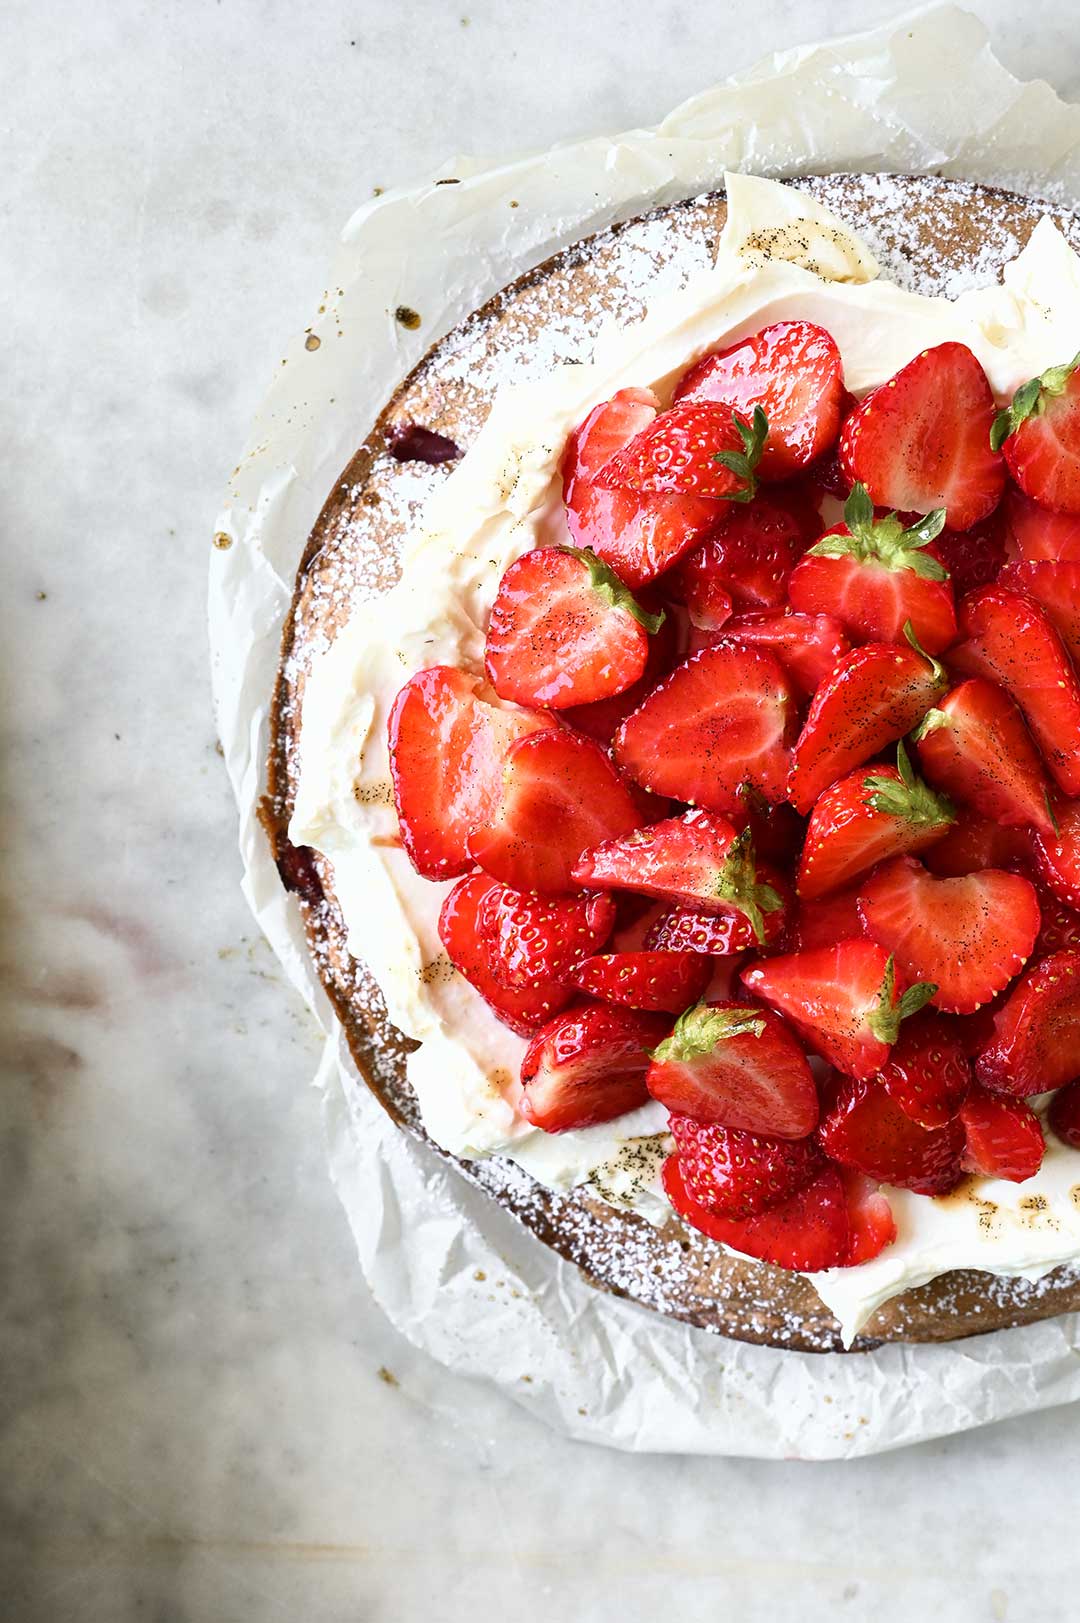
(453, 1270)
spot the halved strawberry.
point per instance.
(808, 646)
(564, 630)
(873, 697)
(734, 1174)
(602, 719)
(969, 936)
(1009, 638)
(922, 440)
(560, 795)
(975, 746)
(862, 1126)
(807, 1232)
(876, 577)
(696, 860)
(587, 1066)
(870, 1218)
(1035, 533)
(823, 920)
(541, 938)
(738, 1066)
(640, 536)
(1055, 587)
(973, 843)
(1064, 1114)
(1057, 853)
(1036, 1042)
(973, 557)
(841, 999)
(668, 981)
(928, 1073)
(793, 371)
(448, 733)
(1040, 435)
(745, 562)
(721, 721)
(866, 818)
(465, 930)
(722, 934)
(1004, 1137)
(694, 450)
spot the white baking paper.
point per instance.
(452, 1269)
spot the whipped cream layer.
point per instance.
(781, 256)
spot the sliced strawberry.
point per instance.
(541, 938)
(738, 1066)
(734, 1174)
(1064, 1114)
(1008, 637)
(974, 745)
(1035, 533)
(668, 981)
(448, 734)
(639, 536)
(808, 646)
(922, 440)
(564, 630)
(1004, 1137)
(722, 720)
(465, 930)
(841, 999)
(603, 719)
(694, 450)
(696, 860)
(876, 577)
(1057, 853)
(807, 1232)
(793, 371)
(1060, 927)
(1036, 1043)
(866, 818)
(823, 921)
(560, 795)
(927, 1072)
(873, 697)
(723, 934)
(973, 843)
(1040, 435)
(870, 1218)
(863, 1127)
(587, 1066)
(745, 562)
(969, 936)
(973, 557)
(1056, 588)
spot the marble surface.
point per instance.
(202, 1413)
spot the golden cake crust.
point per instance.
(935, 235)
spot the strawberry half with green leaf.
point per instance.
(863, 1127)
(564, 630)
(876, 576)
(465, 930)
(737, 1066)
(694, 450)
(721, 722)
(809, 1231)
(808, 646)
(874, 696)
(664, 981)
(927, 1073)
(1003, 1137)
(734, 1174)
(587, 1066)
(1039, 432)
(790, 370)
(696, 860)
(1036, 1042)
(1035, 534)
(1007, 637)
(541, 938)
(969, 936)
(720, 935)
(448, 733)
(922, 440)
(975, 746)
(866, 818)
(559, 795)
(841, 999)
(745, 562)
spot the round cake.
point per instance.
(933, 236)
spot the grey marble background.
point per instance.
(202, 1414)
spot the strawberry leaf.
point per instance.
(935, 665)
(911, 800)
(607, 585)
(884, 1020)
(737, 885)
(884, 541)
(1030, 401)
(743, 464)
(700, 1029)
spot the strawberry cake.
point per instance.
(676, 756)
